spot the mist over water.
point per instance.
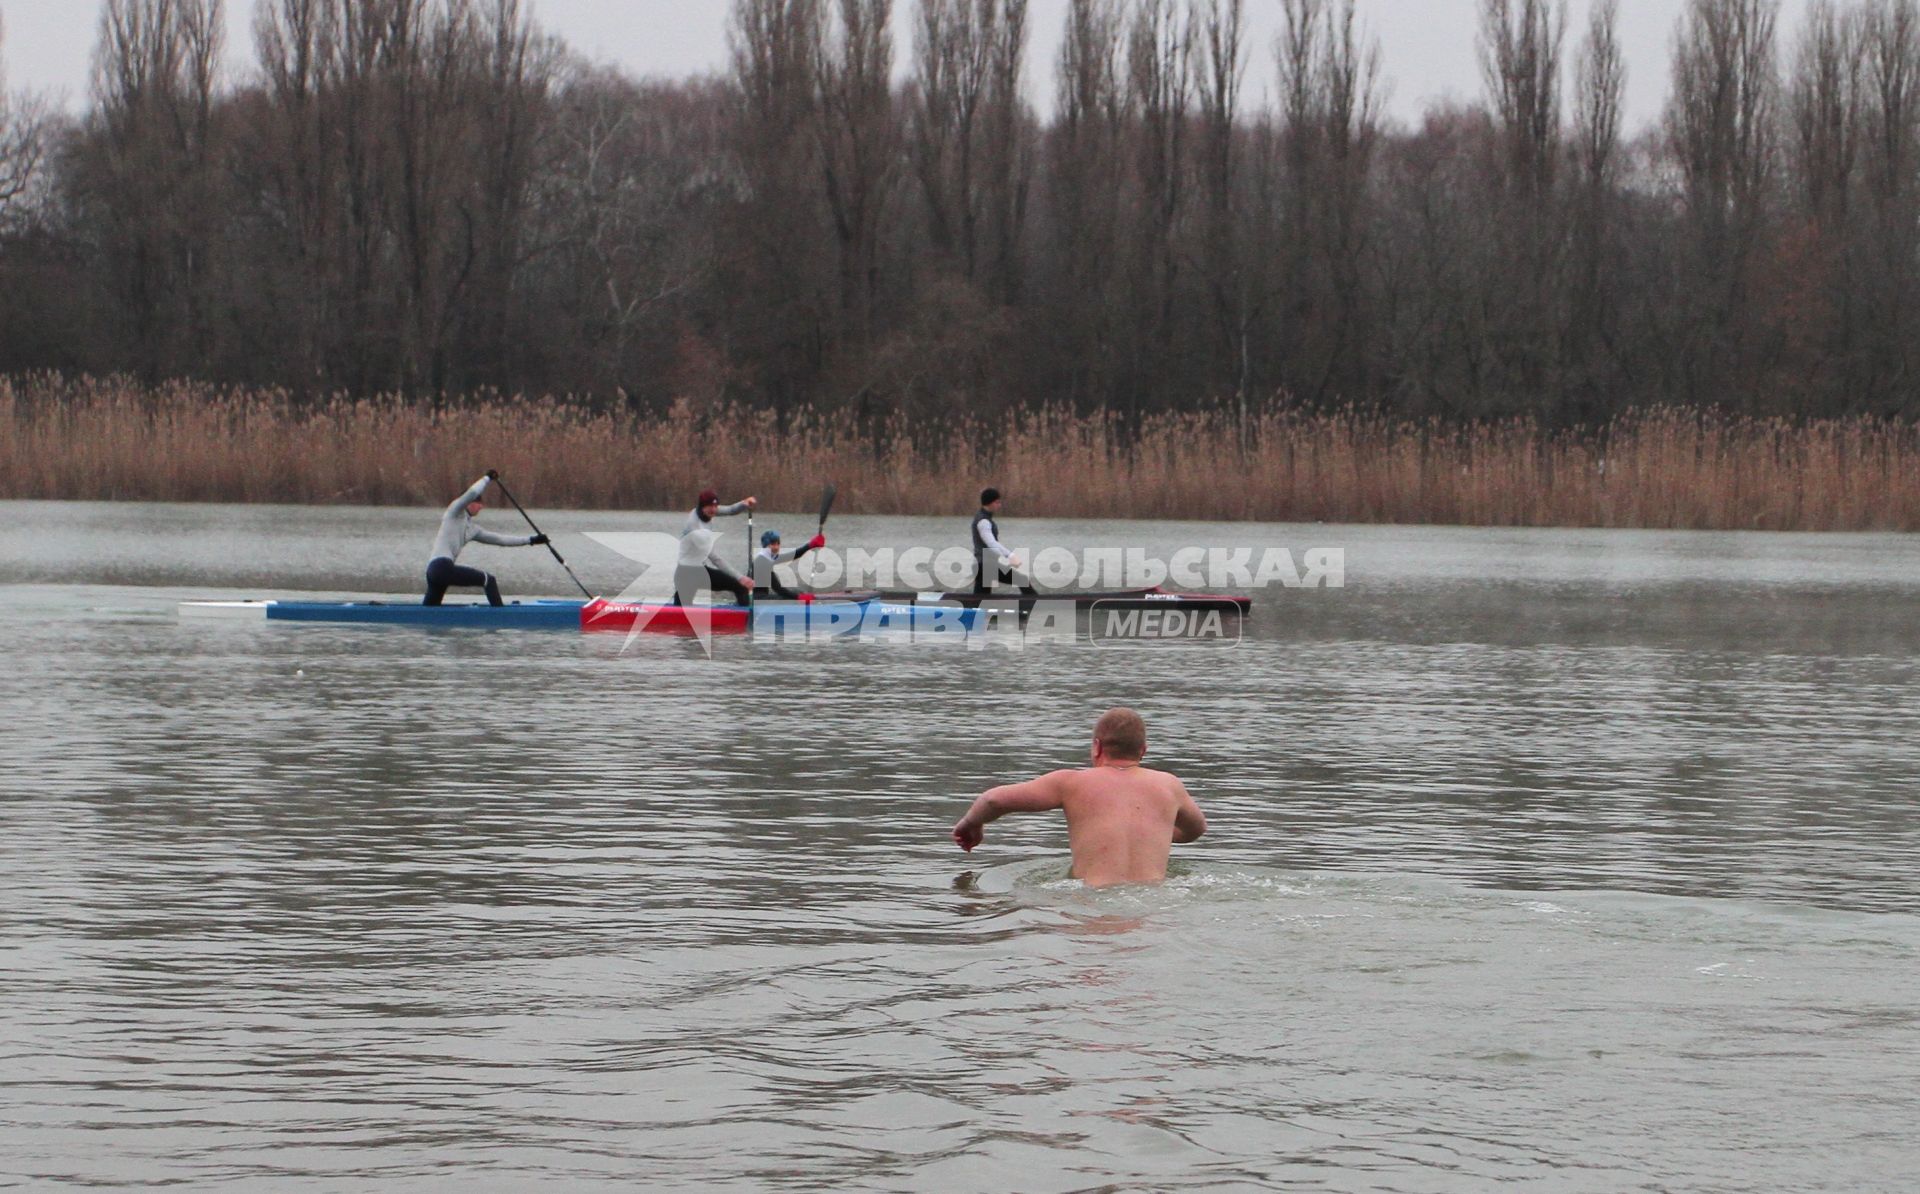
(1578, 859)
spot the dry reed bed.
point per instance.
(93, 438)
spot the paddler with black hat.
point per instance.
(699, 565)
(994, 562)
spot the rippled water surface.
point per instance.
(1571, 860)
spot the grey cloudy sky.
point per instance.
(1427, 46)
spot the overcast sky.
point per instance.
(1427, 46)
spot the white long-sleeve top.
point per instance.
(698, 538)
(766, 559)
(457, 529)
(984, 528)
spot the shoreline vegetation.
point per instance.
(114, 439)
(991, 205)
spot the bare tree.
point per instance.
(858, 149)
(23, 143)
(155, 72)
(1298, 51)
(1011, 151)
(1521, 258)
(1814, 302)
(1219, 33)
(1085, 203)
(511, 91)
(1159, 97)
(1601, 82)
(296, 42)
(1721, 123)
(430, 194)
(1889, 274)
(777, 52)
(401, 141)
(1890, 48)
(624, 236)
(1724, 95)
(1520, 46)
(1600, 85)
(1330, 111)
(1824, 108)
(967, 132)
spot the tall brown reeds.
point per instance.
(91, 438)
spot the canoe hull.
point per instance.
(818, 619)
(600, 616)
(1119, 599)
(653, 617)
(529, 615)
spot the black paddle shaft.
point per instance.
(826, 507)
(536, 530)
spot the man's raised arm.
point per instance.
(1034, 796)
(474, 493)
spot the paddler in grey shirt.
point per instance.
(456, 531)
(699, 565)
(766, 574)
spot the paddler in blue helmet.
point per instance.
(765, 560)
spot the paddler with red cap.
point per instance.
(699, 565)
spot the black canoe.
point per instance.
(1155, 598)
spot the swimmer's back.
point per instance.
(1122, 822)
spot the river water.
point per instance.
(1571, 860)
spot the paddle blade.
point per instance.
(826, 505)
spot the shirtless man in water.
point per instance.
(1122, 819)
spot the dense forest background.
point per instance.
(432, 196)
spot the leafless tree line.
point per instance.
(432, 195)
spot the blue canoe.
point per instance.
(602, 616)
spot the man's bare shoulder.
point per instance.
(1165, 779)
(1054, 784)
(1099, 778)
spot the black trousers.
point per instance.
(1001, 574)
(689, 579)
(443, 574)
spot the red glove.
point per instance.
(817, 542)
(806, 599)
